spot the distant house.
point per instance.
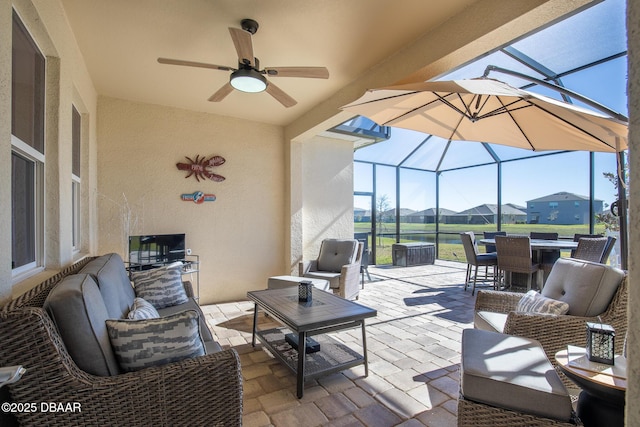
(428, 216)
(561, 208)
(361, 215)
(488, 214)
(390, 215)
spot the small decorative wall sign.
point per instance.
(198, 197)
(201, 167)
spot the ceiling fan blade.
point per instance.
(280, 95)
(221, 93)
(308, 72)
(194, 64)
(244, 45)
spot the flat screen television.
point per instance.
(155, 249)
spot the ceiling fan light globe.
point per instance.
(248, 81)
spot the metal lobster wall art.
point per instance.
(201, 167)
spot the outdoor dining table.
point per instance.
(540, 244)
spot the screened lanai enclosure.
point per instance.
(410, 186)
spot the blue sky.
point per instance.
(594, 34)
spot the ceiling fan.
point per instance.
(248, 77)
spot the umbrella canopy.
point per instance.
(487, 110)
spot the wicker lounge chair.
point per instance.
(339, 262)
(555, 332)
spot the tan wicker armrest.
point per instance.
(553, 332)
(497, 301)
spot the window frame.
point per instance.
(76, 181)
(37, 158)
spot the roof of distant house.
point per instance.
(562, 196)
(432, 212)
(492, 209)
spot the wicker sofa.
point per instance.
(203, 390)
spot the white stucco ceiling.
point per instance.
(122, 39)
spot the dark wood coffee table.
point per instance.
(325, 313)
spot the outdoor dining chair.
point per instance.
(577, 236)
(591, 248)
(514, 256)
(611, 241)
(492, 235)
(476, 259)
(545, 257)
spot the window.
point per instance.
(27, 145)
(76, 135)
(576, 204)
(553, 205)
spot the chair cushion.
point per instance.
(489, 321)
(533, 302)
(332, 278)
(587, 287)
(140, 344)
(142, 309)
(161, 286)
(335, 253)
(513, 373)
(109, 273)
(76, 307)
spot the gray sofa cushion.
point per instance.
(334, 253)
(109, 273)
(587, 287)
(513, 373)
(76, 307)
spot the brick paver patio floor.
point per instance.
(414, 354)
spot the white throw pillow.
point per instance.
(142, 309)
(533, 302)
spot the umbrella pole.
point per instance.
(622, 211)
(621, 203)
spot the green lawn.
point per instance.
(452, 249)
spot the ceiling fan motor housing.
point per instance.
(249, 25)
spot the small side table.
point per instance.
(601, 401)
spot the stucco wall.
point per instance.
(327, 192)
(240, 237)
(68, 82)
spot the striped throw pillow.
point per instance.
(162, 286)
(142, 309)
(533, 302)
(139, 344)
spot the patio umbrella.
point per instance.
(488, 110)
